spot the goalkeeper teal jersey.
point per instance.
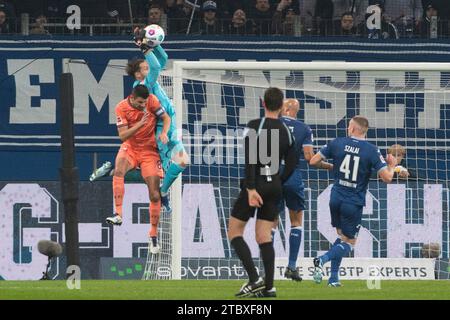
(157, 60)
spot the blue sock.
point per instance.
(335, 264)
(295, 239)
(170, 176)
(337, 251)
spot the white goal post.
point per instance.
(405, 104)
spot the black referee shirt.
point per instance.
(259, 137)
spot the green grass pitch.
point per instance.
(220, 289)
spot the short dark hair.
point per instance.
(347, 13)
(273, 99)
(133, 66)
(140, 91)
(155, 6)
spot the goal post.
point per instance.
(176, 193)
(406, 104)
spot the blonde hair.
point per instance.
(396, 149)
(362, 122)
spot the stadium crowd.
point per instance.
(399, 18)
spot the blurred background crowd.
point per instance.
(399, 18)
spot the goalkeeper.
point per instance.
(173, 155)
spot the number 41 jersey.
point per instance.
(353, 160)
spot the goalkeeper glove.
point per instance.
(140, 40)
(138, 35)
(145, 47)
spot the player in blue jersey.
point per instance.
(354, 160)
(293, 188)
(173, 155)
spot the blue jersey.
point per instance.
(157, 60)
(302, 134)
(354, 160)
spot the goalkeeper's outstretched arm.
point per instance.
(154, 66)
(161, 55)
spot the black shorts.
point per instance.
(270, 192)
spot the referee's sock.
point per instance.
(244, 254)
(268, 257)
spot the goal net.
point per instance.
(407, 105)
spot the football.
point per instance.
(155, 34)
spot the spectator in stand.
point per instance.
(403, 14)
(240, 25)
(443, 8)
(8, 8)
(210, 25)
(323, 14)
(119, 10)
(229, 7)
(356, 8)
(402, 10)
(187, 8)
(155, 15)
(12, 22)
(426, 24)
(149, 3)
(293, 5)
(401, 171)
(261, 15)
(286, 19)
(39, 25)
(4, 27)
(175, 15)
(345, 26)
(307, 16)
(387, 31)
(56, 8)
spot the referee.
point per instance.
(268, 143)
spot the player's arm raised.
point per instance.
(387, 173)
(154, 66)
(161, 55)
(147, 49)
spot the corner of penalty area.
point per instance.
(69, 173)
